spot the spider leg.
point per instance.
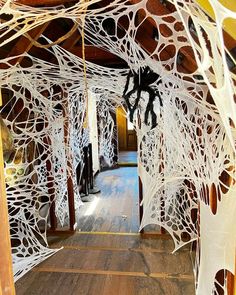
(127, 96)
(160, 99)
(149, 108)
(158, 80)
(135, 105)
(130, 74)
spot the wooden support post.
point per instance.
(53, 218)
(70, 185)
(231, 281)
(50, 182)
(234, 287)
(0, 288)
(6, 272)
(51, 192)
(71, 203)
(230, 284)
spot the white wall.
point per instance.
(93, 130)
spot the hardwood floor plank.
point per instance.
(127, 157)
(114, 273)
(114, 241)
(98, 248)
(148, 262)
(38, 283)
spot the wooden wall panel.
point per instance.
(121, 129)
(6, 273)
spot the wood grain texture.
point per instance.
(38, 283)
(113, 273)
(131, 261)
(24, 44)
(121, 129)
(116, 208)
(133, 242)
(6, 272)
(111, 264)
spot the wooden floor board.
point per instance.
(129, 265)
(162, 275)
(38, 283)
(127, 157)
(147, 262)
(114, 241)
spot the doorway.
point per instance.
(127, 139)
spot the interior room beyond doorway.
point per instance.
(127, 139)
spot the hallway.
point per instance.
(107, 255)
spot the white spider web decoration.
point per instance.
(107, 132)
(186, 162)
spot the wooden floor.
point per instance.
(127, 157)
(116, 208)
(111, 264)
(108, 256)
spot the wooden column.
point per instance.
(231, 280)
(51, 192)
(234, 287)
(70, 185)
(121, 129)
(6, 272)
(230, 284)
(72, 220)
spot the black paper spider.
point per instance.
(142, 82)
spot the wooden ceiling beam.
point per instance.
(97, 55)
(229, 41)
(23, 45)
(70, 42)
(42, 54)
(55, 30)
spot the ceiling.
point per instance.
(66, 33)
